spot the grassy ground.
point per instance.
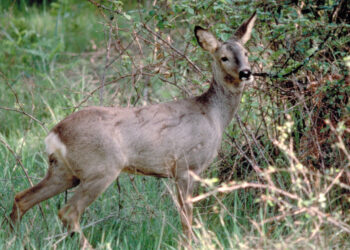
(52, 61)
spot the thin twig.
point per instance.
(18, 159)
(25, 113)
(296, 69)
(174, 49)
(106, 63)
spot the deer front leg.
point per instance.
(184, 186)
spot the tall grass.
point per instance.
(263, 192)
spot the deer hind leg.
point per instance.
(58, 179)
(88, 190)
(184, 186)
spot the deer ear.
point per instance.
(243, 33)
(206, 39)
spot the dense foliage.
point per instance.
(282, 177)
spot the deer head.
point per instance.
(230, 67)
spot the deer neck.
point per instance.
(221, 102)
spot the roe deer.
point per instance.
(91, 147)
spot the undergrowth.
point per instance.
(281, 179)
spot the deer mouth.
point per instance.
(231, 80)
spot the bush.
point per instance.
(282, 176)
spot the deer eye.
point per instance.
(224, 59)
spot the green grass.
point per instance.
(51, 59)
(133, 220)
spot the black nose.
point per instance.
(244, 74)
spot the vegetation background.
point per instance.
(282, 177)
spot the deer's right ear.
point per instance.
(206, 39)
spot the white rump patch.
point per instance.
(54, 144)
